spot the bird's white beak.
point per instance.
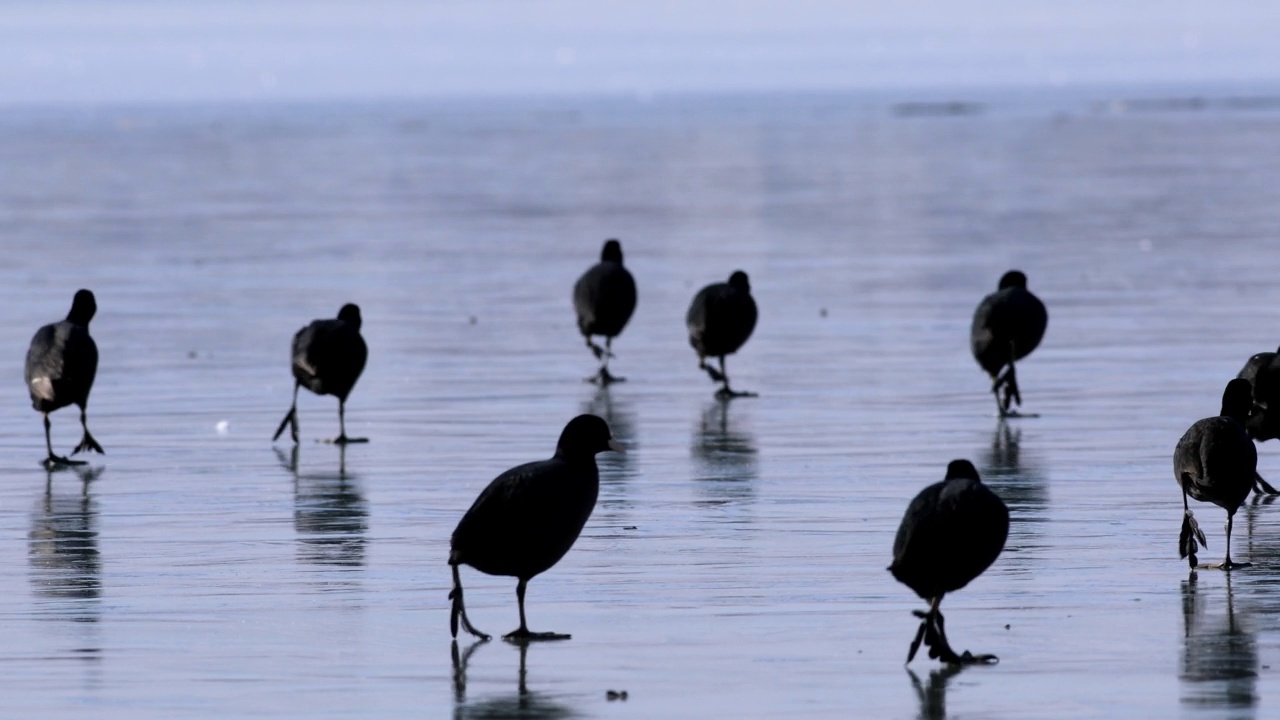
(616, 446)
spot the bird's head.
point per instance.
(612, 252)
(1013, 278)
(961, 470)
(585, 436)
(350, 314)
(83, 308)
(1237, 400)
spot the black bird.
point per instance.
(1007, 326)
(1215, 461)
(604, 298)
(952, 531)
(328, 357)
(61, 364)
(720, 319)
(1263, 373)
(529, 517)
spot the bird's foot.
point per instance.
(726, 393)
(932, 634)
(459, 612)
(1015, 414)
(88, 443)
(54, 462)
(525, 635)
(968, 658)
(604, 378)
(1226, 565)
(1188, 537)
(344, 440)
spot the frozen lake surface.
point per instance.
(735, 563)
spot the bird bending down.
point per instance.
(328, 357)
(61, 364)
(604, 298)
(720, 319)
(528, 517)
(1215, 461)
(1263, 373)
(952, 531)
(1007, 326)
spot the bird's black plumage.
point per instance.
(62, 362)
(1007, 326)
(1216, 462)
(1262, 371)
(952, 531)
(720, 319)
(604, 299)
(328, 357)
(529, 516)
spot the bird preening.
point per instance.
(1216, 462)
(1007, 326)
(604, 299)
(952, 531)
(328, 357)
(528, 517)
(720, 319)
(61, 364)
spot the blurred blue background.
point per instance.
(150, 51)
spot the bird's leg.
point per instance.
(1011, 381)
(1226, 564)
(48, 443)
(997, 380)
(459, 610)
(599, 352)
(86, 441)
(290, 419)
(715, 376)
(1191, 532)
(727, 392)
(1007, 380)
(1262, 487)
(54, 461)
(522, 633)
(603, 377)
(342, 438)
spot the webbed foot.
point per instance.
(88, 443)
(604, 378)
(525, 635)
(1188, 538)
(459, 612)
(54, 462)
(932, 634)
(344, 440)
